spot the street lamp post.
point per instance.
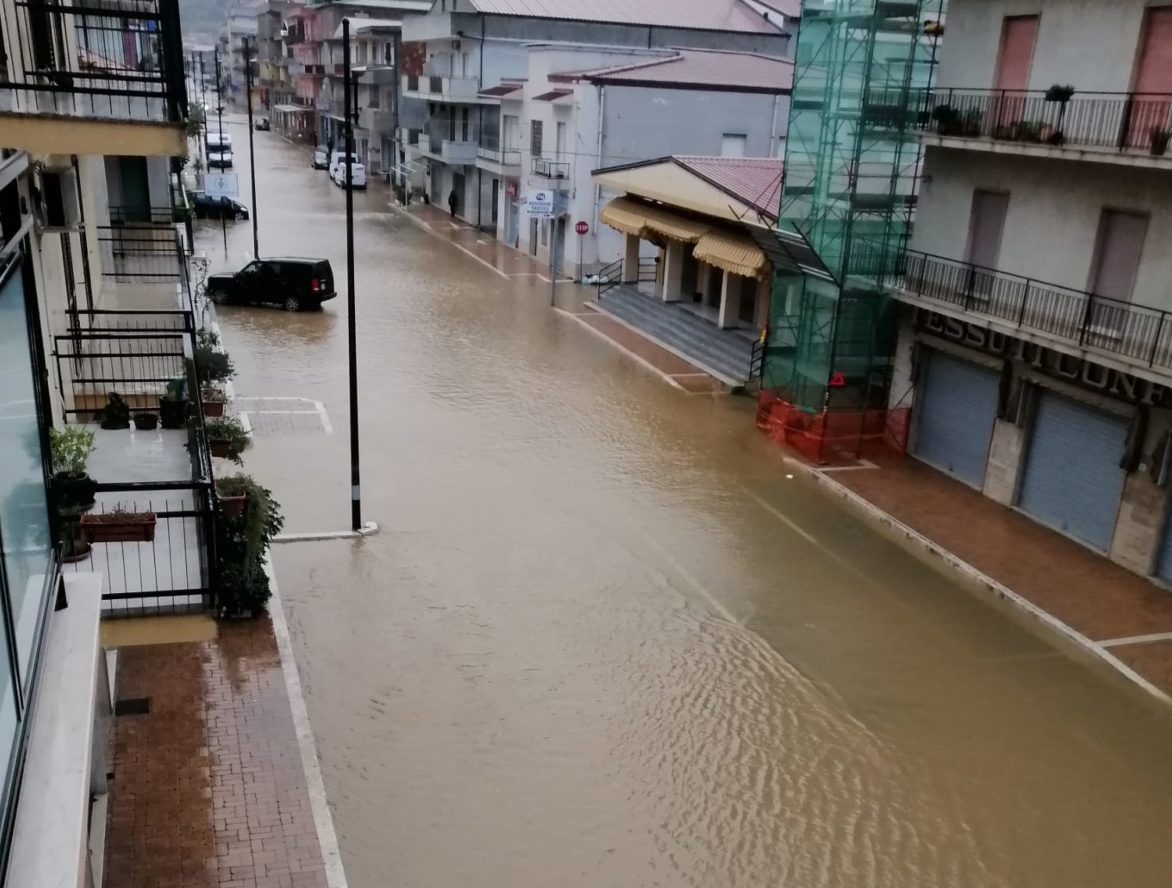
(351, 327)
(251, 150)
(220, 124)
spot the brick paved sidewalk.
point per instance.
(208, 788)
(1122, 613)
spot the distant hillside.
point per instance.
(202, 19)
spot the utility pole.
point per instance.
(203, 104)
(220, 119)
(553, 260)
(351, 328)
(251, 150)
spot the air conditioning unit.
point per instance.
(58, 206)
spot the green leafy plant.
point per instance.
(242, 540)
(195, 119)
(1160, 138)
(212, 364)
(70, 449)
(227, 437)
(1059, 93)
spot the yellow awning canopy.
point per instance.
(625, 216)
(632, 217)
(737, 255)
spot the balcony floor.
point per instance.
(173, 561)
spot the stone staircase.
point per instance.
(726, 354)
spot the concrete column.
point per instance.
(631, 260)
(673, 271)
(704, 282)
(764, 295)
(1005, 454)
(1136, 544)
(730, 298)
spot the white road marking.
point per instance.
(622, 348)
(1137, 639)
(691, 580)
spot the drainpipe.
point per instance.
(774, 138)
(597, 164)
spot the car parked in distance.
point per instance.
(206, 206)
(217, 140)
(337, 159)
(357, 175)
(263, 125)
(221, 159)
(293, 283)
(321, 159)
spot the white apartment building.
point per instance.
(498, 84)
(1035, 345)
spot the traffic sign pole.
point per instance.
(583, 228)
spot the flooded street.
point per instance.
(602, 640)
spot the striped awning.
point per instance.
(733, 253)
(640, 219)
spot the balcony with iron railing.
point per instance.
(1135, 335)
(438, 88)
(1133, 128)
(550, 169)
(450, 144)
(114, 62)
(492, 152)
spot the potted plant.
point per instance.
(212, 400)
(119, 526)
(227, 437)
(116, 413)
(233, 494)
(212, 364)
(1160, 137)
(145, 421)
(947, 120)
(173, 404)
(241, 542)
(72, 489)
(1059, 93)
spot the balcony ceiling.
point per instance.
(67, 134)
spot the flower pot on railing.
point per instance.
(213, 400)
(118, 527)
(1160, 138)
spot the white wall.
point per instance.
(1053, 217)
(1088, 43)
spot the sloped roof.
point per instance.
(698, 68)
(754, 181)
(745, 189)
(716, 15)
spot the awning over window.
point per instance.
(632, 217)
(732, 253)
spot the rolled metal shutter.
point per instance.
(955, 413)
(1072, 480)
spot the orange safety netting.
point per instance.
(834, 436)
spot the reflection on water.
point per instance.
(582, 653)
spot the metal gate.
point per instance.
(1072, 479)
(955, 413)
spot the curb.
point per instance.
(327, 838)
(938, 557)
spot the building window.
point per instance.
(535, 133)
(24, 511)
(733, 144)
(560, 140)
(1117, 253)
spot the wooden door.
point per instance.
(1011, 79)
(1153, 78)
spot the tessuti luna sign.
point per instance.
(1071, 368)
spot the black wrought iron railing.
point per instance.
(1129, 122)
(141, 252)
(490, 149)
(550, 169)
(609, 277)
(119, 59)
(153, 215)
(1138, 333)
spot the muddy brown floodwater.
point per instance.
(602, 640)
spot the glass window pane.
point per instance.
(8, 720)
(24, 514)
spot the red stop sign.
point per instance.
(582, 227)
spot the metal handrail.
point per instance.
(609, 277)
(1140, 333)
(1128, 121)
(550, 169)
